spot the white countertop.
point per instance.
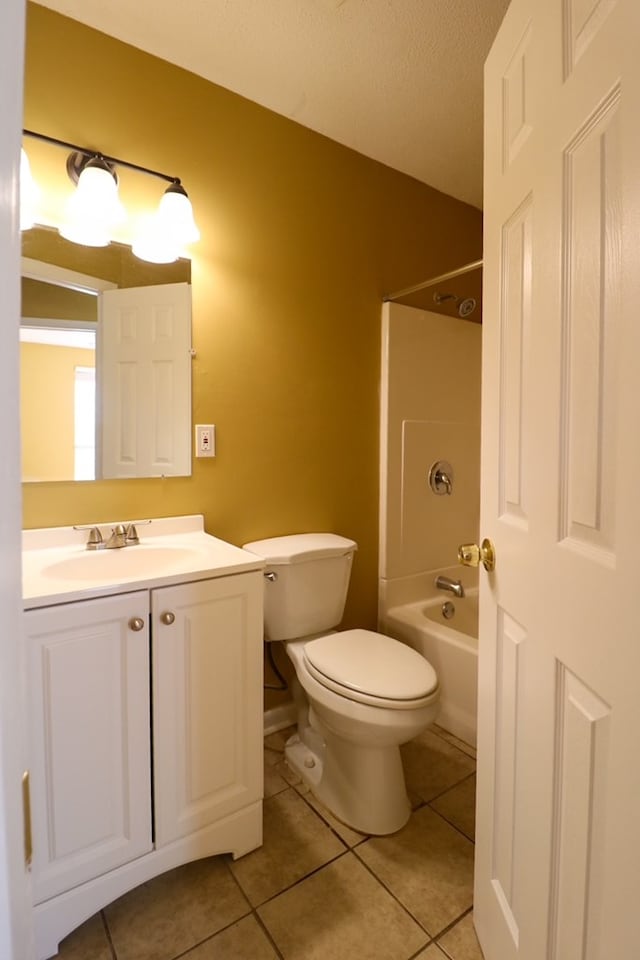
(57, 567)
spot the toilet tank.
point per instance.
(306, 582)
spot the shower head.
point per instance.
(443, 297)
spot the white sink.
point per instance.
(132, 561)
(57, 567)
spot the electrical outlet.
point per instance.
(205, 440)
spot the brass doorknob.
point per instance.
(167, 618)
(136, 624)
(470, 555)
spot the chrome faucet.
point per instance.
(118, 537)
(453, 586)
(122, 535)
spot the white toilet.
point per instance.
(359, 694)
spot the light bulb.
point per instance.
(94, 208)
(175, 216)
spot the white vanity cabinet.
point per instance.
(90, 756)
(145, 712)
(207, 676)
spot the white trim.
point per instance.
(54, 323)
(51, 334)
(61, 277)
(277, 718)
(16, 922)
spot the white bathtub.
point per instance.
(451, 647)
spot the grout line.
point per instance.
(463, 779)
(448, 928)
(226, 859)
(212, 936)
(363, 837)
(453, 825)
(267, 933)
(418, 953)
(453, 786)
(291, 885)
(108, 935)
(300, 880)
(471, 756)
(450, 822)
(396, 898)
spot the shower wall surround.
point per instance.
(430, 411)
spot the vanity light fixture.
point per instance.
(95, 208)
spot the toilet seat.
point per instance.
(371, 668)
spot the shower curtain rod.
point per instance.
(468, 268)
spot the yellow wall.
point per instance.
(48, 452)
(46, 301)
(301, 238)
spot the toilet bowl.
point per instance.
(359, 694)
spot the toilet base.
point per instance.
(362, 786)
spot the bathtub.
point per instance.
(451, 647)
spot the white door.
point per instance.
(16, 936)
(207, 697)
(558, 851)
(89, 738)
(144, 373)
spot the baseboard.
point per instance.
(277, 718)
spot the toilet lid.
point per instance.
(371, 664)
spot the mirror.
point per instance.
(105, 362)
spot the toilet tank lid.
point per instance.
(299, 547)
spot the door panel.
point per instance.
(89, 739)
(207, 688)
(515, 317)
(558, 850)
(145, 381)
(581, 755)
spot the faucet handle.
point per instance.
(94, 541)
(132, 535)
(441, 477)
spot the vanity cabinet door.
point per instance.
(207, 696)
(89, 738)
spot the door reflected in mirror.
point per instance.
(105, 363)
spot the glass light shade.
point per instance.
(29, 193)
(94, 208)
(153, 245)
(175, 216)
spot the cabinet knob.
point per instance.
(136, 623)
(167, 618)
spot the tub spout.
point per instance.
(453, 586)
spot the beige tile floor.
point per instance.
(316, 890)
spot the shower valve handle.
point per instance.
(471, 555)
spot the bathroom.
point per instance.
(302, 240)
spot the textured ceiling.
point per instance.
(397, 80)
